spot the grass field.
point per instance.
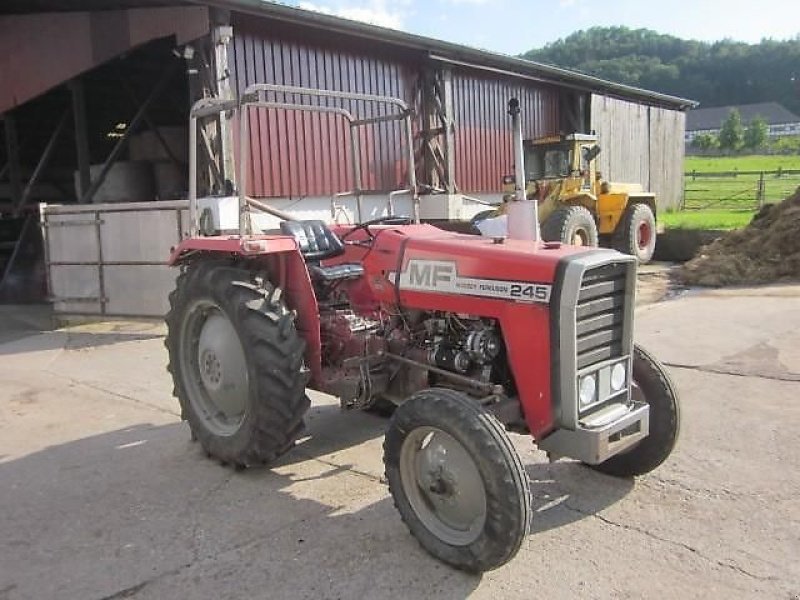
(728, 202)
(705, 219)
(705, 164)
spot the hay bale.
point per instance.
(766, 251)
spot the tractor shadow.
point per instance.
(140, 512)
(566, 491)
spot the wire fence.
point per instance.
(743, 190)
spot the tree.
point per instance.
(715, 74)
(731, 136)
(705, 141)
(756, 134)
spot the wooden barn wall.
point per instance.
(641, 144)
(298, 154)
(666, 155)
(483, 142)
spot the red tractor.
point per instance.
(469, 337)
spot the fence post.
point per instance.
(760, 190)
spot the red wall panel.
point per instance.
(296, 154)
(484, 146)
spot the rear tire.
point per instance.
(457, 480)
(572, 225)
(237, 363)
(636, 234)
(654, 386)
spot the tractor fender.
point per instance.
(278, 256)
(648, 199)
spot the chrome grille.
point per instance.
(600, 314)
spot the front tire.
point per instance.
(637, 233)
(572, 225)
(237, 363)
(457, 480)
(651, 384)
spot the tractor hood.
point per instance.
(433, 260)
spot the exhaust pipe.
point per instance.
(523, 214)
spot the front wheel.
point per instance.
(636, 233)
(651, 384)
(572, 225)
(457, 480)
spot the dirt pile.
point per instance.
(766, 251)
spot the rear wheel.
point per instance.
(237, 363)
(651, 384)
(457, 480)
(636, 234)
(572, 225)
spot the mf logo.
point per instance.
(430, 274)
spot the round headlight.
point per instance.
(618, 377)
(588, 390)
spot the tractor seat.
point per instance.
(316, 243)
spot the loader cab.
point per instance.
(562, 157)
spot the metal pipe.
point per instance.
(244, 221)
(291, 89)
(412, 171)
(519, 152)
(268, 209)
(489, 388)
(193, 176)
(390, 200)
(355, 149)
(523, 217)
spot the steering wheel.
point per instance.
(387, 220)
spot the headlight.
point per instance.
(618, 377)
(588, 390)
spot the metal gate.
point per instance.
(110, 259)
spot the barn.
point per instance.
(95, 98)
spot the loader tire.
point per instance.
(636, 234)
(572, 225)
(237, 363)
(653, 385)
(457, 480)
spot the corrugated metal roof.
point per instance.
(436, 49)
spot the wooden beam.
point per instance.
(41, 166)
(12, 152)
(81, 135)
(152, 126)
(122, 142)
(449, 138)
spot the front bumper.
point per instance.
(601, 435)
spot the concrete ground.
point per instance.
(104, 496)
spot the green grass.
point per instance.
(705, 164)
(737, 192)
(705, 219)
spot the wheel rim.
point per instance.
(214, 369)
(580, 238)
(443, 485)
(643, 233)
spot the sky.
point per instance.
(514, 26)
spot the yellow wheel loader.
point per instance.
(575, 205)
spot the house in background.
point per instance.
(781, 122)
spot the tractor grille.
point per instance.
(600, 314)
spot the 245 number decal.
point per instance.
(537, 293)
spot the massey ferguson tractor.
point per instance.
(468, 337)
